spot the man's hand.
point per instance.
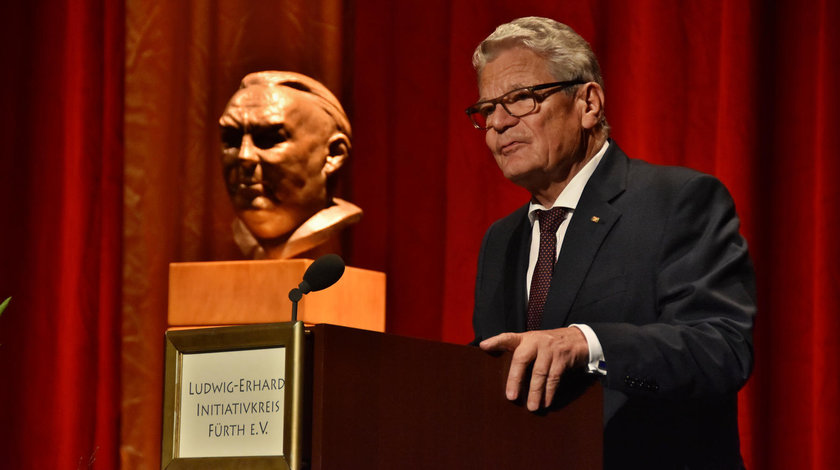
(551, 351)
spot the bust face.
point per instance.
(275, 149)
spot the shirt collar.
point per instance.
(572, 192)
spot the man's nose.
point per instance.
(500, 119)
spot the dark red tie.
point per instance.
(541, 280)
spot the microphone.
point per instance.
(322, 273)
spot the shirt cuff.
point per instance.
(597, 363)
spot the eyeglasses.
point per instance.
(517, 103)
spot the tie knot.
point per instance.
(550, 219)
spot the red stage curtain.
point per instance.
(745, 90)
(60, 227)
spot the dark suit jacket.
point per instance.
(652, 260)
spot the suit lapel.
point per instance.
(593, 219)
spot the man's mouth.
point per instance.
(510, 147)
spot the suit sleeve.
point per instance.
(701, 344)
(478, 331)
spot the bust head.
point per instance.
(284, 135)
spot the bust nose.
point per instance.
(247, 151)
(247, 159)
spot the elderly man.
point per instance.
(284, 135)
(633, 272)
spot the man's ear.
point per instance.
(339, 149)
(592, 96)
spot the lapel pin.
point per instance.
(596, 219)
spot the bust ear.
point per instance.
(339, 150)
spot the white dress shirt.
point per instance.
(568, 199)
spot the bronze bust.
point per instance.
(284, 135)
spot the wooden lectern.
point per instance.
(369, 400)
(382, 401)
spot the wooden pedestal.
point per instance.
(244, 292)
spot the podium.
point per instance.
(379, 401)
(382, 401)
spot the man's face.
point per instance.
(274, 154)
(539, 148)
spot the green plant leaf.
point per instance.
(4, 304)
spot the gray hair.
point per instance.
(567, 55)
